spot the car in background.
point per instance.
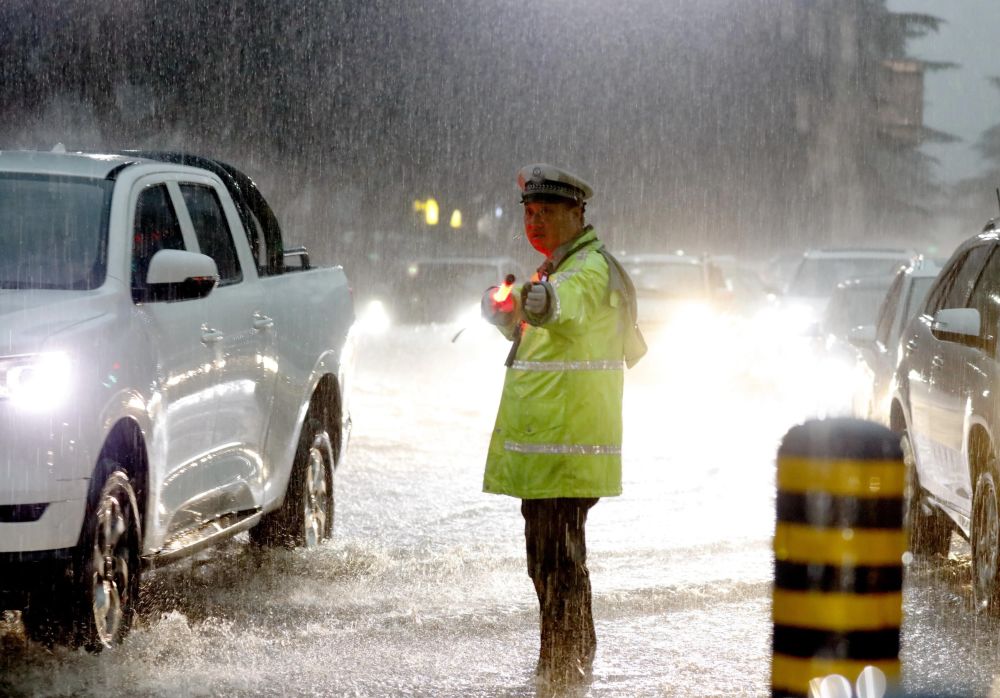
(684, 313)
(878, 342)
(428, 290)
(945, 407)
(853, 303)
(843, 383)
(749, 293)
(676, 287)
(819, 272)
(779, 269)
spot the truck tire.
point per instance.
(985, 539)
(928, 530)
(94, 604)
(305, 518)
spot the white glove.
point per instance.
(536, 300)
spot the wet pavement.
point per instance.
(423, 591)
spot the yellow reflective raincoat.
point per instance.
(558, 432)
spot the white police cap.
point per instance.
(541, 181)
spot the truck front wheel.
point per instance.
(305, 518)
(94, 604)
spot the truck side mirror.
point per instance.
(177, 275)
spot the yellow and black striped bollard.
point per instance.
(838, 549)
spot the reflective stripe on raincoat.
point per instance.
(558, 432)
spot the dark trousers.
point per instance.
(557, 564)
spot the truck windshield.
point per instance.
(53, 231)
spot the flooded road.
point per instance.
(423, 590)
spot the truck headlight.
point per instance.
(35, 381)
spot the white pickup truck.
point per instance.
(170, 375)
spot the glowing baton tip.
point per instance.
(501, 294)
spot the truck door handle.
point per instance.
(210, 336)
(937, 362)
(262, 322)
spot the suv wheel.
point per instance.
(305, 518)
(985, 540)
(928, 530)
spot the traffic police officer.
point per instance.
(557, 440)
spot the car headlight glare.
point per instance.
(35, 381)
(375, 319)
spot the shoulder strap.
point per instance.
(619, 280)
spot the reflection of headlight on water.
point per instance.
(374, 319)
(35, 381)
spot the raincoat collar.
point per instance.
(560, 253)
